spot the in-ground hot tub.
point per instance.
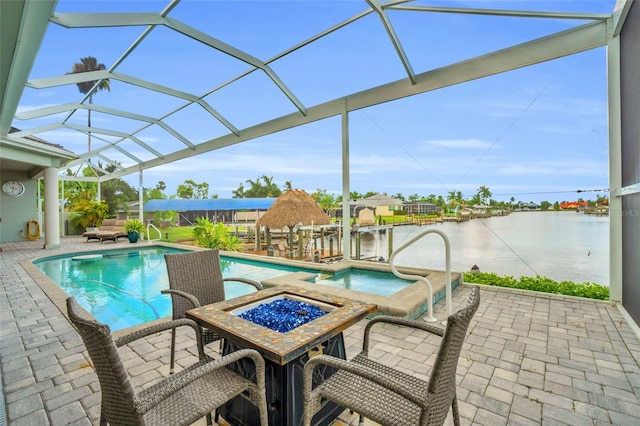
(285, 352)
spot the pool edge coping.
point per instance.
(412, 301)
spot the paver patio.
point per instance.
(529, 358)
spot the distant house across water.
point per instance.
(383, 205)
(573, 205)
(528, 206)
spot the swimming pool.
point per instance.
(122, 287)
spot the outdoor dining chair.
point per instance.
(195, 279)
(180, 399)
(386, 395)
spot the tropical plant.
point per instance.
(89, 64)
(88, 213)
(210, 235)
(134, 225)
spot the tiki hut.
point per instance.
(293, 208)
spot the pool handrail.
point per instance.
(151, 225)
(447, 246)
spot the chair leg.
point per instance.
(360, 420)
(209, 422)
(454, 409)
(173, 350)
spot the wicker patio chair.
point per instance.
(386, 395)
(180, 399)
(195, 279)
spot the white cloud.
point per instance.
(471, 143)
(572, 167)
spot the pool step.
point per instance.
(326, 276)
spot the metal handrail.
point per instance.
(151, 225)
(447, 246)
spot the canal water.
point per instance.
(559, 245)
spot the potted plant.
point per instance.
(133, 227)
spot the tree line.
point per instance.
(115, 194)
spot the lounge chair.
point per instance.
(181, 399)
(195, 279)
(385, 394)
(282, 249)
(285, 251)
(107, 225)
(116, 231)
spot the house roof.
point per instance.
(210, 204)
(377, 200)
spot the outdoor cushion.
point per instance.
(107, 225)
(116, 231)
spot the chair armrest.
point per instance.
(397, 321)
(184, 378)
(168, 325)
(254, 283)
(190, 297)
(358, 370)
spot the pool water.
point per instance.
(122, 287)
(382, 283)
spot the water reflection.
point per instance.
(560, 245)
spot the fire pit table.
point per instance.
(285, 352)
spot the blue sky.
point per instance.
(538, 133)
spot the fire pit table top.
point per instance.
(222, 318)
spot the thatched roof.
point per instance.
(291, 208)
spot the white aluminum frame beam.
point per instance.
(568, 42)
(503, 12)
(33, 26)
(83, 20)
(43, 83)
(391, 32)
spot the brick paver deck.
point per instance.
(529, 358)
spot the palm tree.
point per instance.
(255, 190)
(238, 193)
(86, 65)
(272, 189)
(484, 193)
(454, 197)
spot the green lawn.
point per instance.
(176, 233)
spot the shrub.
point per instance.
(210, 235)
(543, 284)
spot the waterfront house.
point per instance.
(530, 206)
